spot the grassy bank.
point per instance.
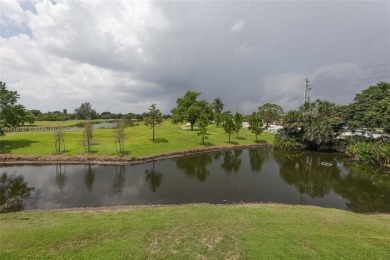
(196, 232)
(169, 138)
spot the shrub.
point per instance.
(285, 142)
(371, 152)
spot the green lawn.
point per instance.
(196, 232)
(169, 138)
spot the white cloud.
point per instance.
(237, 26)
(83, 51)
(11, 10)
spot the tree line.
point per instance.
(316, 125)
(85, 111)
(313, 126)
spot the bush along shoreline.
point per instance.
(13, 159)
(374, 152)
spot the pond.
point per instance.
(227, 177)
(104, 125)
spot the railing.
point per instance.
(41, 129)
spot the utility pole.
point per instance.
(306, 94)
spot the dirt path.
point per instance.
(12, 159)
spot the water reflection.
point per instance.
(14, 191)
(367, 189)
(280, 177)
(195, 165)
(60, 176)
(257, 157)
(119, 180)
(153, 177)
(231, 161)
(307, 174)
(89, 177)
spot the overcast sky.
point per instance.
(122, 56)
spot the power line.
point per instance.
(340, 72)
(274, 95)
(289, 90)
(358, 80)
(282, 92)
(356, 75)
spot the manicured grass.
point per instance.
(196, 232)
(169, 138)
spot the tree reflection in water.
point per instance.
(231, 160)
(305, 172)
(257, 158)
(119, 180)
(89, 177)
(60, 176)
(195, 165)
(343, 185)
(13, 193)
(153, 177)
(366, 188)
(217, 155)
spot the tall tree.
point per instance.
(320, 125)
(29, 117)
(370, 108)
(11, 114)
(189, 108)
(85, 111)
(202, 123)
(270, 113)
(256, 124)
(228, 123)
(238, 119)
(217, 106)
(154, 117)
(314, 127)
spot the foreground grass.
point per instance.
(196, 232)
(169, 138)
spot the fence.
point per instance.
(41, 129)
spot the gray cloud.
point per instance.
(123, 56)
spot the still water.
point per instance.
(104, 125)
(254, 175)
